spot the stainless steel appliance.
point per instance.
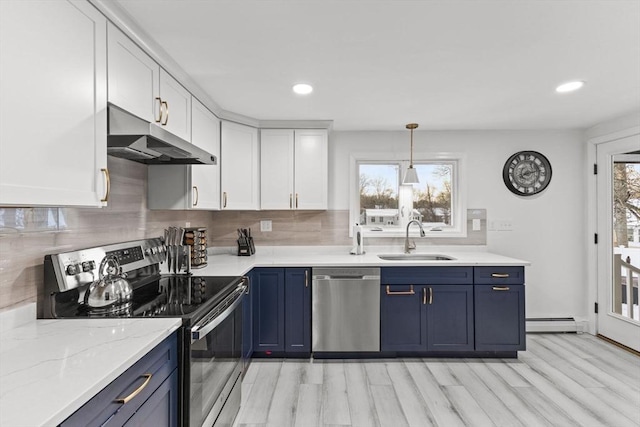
(210, 309)
(345, 309)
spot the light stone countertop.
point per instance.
(50, 368)
(224, 262)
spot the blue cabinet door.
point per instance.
(500, 318)
(402, 318)
(449, 312)
(268, 310)
(297, 299)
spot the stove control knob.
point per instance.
(148, 251)
(73, 269)
(88, 266)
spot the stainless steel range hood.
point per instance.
(133, 138)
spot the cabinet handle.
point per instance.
(430, 296)
(500, 288)
(166, 113)
(197, 195)
(224, 199)
(159, 119)
(306, 278)
(136, 391)
(500, 275)
(290, 201)
(409, 292)
(424, 296)
(107, 178)
(296, 200)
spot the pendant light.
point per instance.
(411, 176)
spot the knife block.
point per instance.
(246, 247)
(196, 239)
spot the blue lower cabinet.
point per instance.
(500, 318)
(402, 319)
(268, 310)
(419, 318)
(449, 311)
(282, 311)
(151, 389)
(297, 315)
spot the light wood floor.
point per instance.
(561, 380)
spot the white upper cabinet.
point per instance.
(138, 85)
(205, 179)
(239, 167)
(176, 106)
(185, 187)
(134, 78)
(276, 169)
(294, 169)
(53, 99)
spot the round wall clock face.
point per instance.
(527, 173)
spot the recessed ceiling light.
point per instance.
(570, 86)
(302, 89)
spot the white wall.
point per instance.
(549, 229)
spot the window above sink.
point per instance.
(384, 206)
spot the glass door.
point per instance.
(618, 199)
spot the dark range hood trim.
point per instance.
(133, 138)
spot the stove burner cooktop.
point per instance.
(183, 296)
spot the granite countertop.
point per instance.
(224, 262)
(50, 368)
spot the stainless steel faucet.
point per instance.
(410, 246)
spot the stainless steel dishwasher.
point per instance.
(345, 309)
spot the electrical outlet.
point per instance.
(475, 224)
(187, 224)
(501, 225)
(265, 225)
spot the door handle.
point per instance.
(197, 195)
(159, 118)
(105, 171)
(424, 296)
(409, 292)
(224, 199)
(306, 278)
(137, 391)
(166, 113)
(430, 296)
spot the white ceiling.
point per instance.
(379, 64)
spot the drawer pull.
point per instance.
(409, 292)
(500, 275)
(500, 288)
(136, 391)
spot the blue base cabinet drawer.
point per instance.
(498, 275)
(155, 377)
(499, 318)
(426, 275)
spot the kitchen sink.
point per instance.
(415, 257)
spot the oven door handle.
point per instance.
(200, 331)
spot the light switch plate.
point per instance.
(265, 225)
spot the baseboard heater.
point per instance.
(553, 324)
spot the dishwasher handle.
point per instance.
(320, 277)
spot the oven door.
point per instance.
(215, 366)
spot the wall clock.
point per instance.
(526, 173)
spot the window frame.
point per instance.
(458, 190)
